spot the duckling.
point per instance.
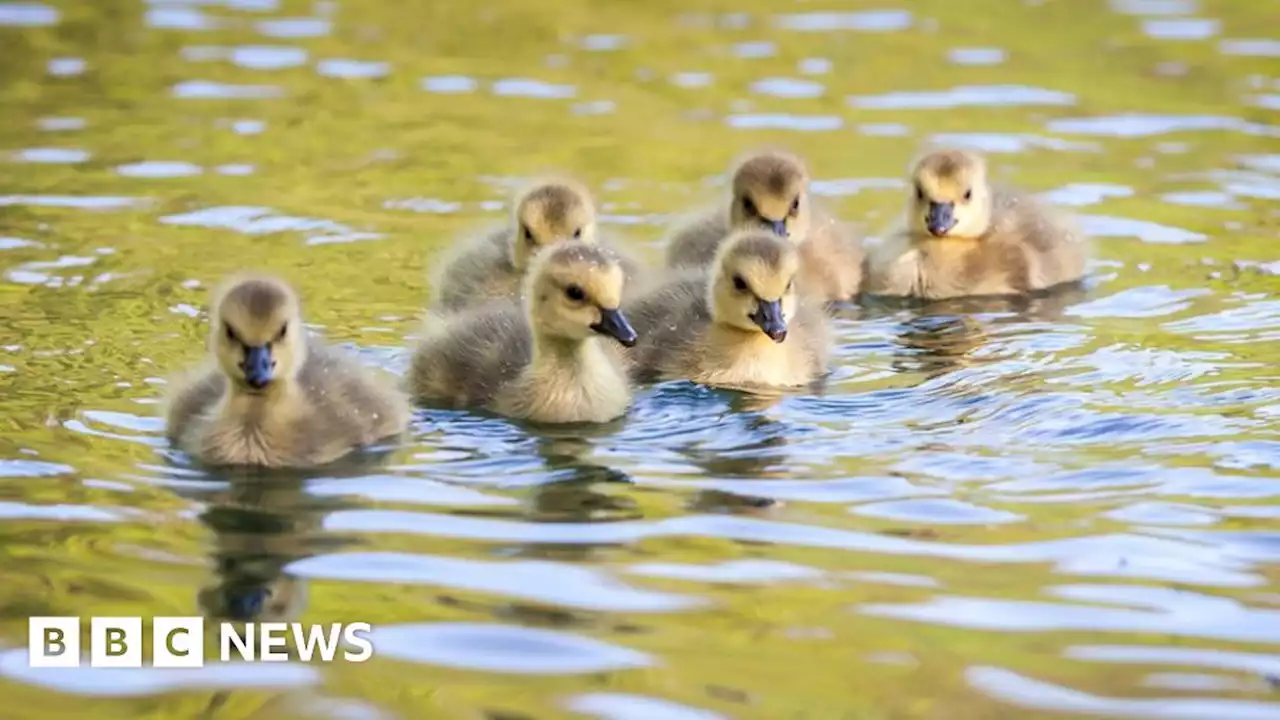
(771, 189)
(546, 358)
(269, 396)
(743, 325)
(963, 237)
(493, 266)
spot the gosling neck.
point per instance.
(724, 334)
(560, 351)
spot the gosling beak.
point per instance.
(768, 316)
(614, 324)
(940, 218)
(779, 227)
(258, 366)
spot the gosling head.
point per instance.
(573, 292)
(950, 197)
(550, 211)
(753, 283)
(771, 191)
(256, 333)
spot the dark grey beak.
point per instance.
(769, 317)
(940, 218)
(779, 227)
(614, 324)
(258, 366)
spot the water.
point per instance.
(1059, 507)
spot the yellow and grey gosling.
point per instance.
(961, 236)
(746, 324)
(493, 266)
(268, 395)
(770, 190)
(553, 357)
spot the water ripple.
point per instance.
(1115, 555)
(84, 202)
(449, 84)
(1024, 692)
(803, 123)
(1164, 655)
(524, 87)
(964, 96)
(976, 56)
(14, 468)
(1135, 125)
(1144, 230)
(736, 571)
(159, 169)
(264, 221)
(1181, 28)
(268, 57)
(167, 17)
(67, 66)
(50, 156)
(868, 20)
(301, 27)
(344, 68)
(206, 90)
(1250, 47)
(20, 14)
(503, 649)
(621, 706)
(115, 682)
(539, 581)
(788, 88)
(1184, 617)
(943, 511)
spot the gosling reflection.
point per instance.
(759, 452)
(934, 345)
(1043, 306)
(582, 490)
(945, 335)
(579, 491)
(261, 525)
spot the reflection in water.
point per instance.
(260, 525)
(578, 489)
(945, 335)
(758, 450)
(935, 344)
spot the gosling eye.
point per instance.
(575, 293)
(739, 284)
(795, 207)
(577, 233)
(284, 329)
(528, 234)
(919, 193)
(968, 194)
(231, 334)
(748, 207)
(791, 285)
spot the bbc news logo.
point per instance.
(178, 642)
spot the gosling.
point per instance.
(268, 396)
(770, 190)
(744, 325)
(554, 357)
(493, 266)
(963, 237)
